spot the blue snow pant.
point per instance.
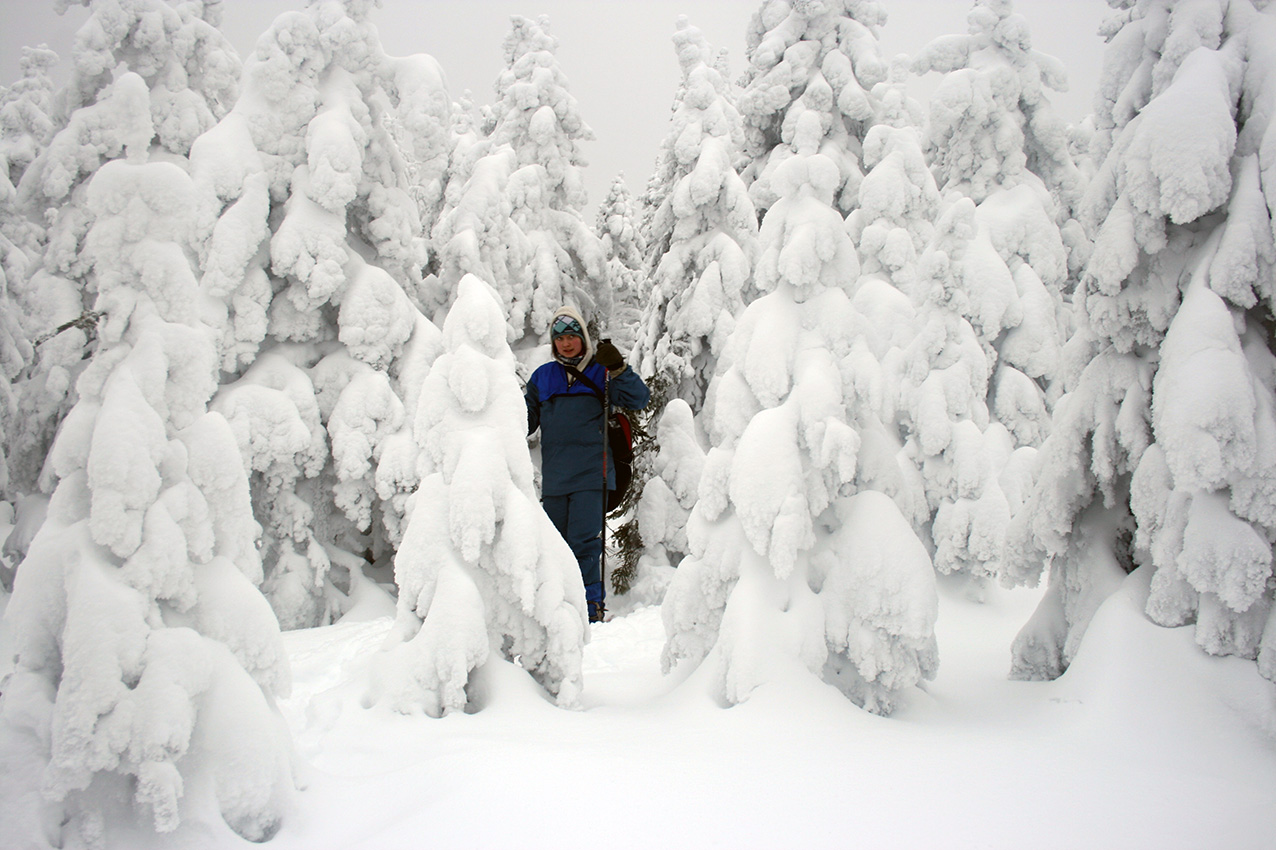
(579, 518)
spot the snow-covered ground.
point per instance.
(1144, 743)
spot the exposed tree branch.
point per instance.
(86, 321)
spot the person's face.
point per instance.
(568, 346)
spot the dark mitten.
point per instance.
(609, 357)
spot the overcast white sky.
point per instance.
(617, 54)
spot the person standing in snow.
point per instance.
(565, 400)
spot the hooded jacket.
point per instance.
(570, 416)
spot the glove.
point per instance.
(609, 357)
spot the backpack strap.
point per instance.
(580, 376)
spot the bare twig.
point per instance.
(86, 321)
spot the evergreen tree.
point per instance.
(990, 299)
(183, 76)
(462, 238)
(537, 116)
(482, 571)
(15, 354)
(624, 249)
(311, 250)
(811, 69)
(25, 130)
(991, 119)
(517, 221)
(796, 562)
(892, 226)
(422, 126)
(703, 234)
(476, 233)
(670, 478)
(1163, 453)
(26, 122)
(147, 661)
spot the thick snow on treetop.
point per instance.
(702, 228)
(536, 112)
(990, 120)
(811, 68)
(187, 69)
(513, 207)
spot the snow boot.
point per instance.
(597, 611)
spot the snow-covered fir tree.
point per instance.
(702, 229)
(475, 234)
(991, 118)
(1162, 456)
(15, 353)
(892, 225)
(811, 58)
(311, 248)
(796, 563)
(669, 476)
(992, 281)
(482, 572)
(26, 117)
(625, 251)
(517, 220)
(26, 126)
(182, 75)
(190, 69)
(147, 661)
(421, 124)
(537, 116)
(702, 235)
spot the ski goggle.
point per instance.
(565, 326)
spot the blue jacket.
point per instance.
(570, 416)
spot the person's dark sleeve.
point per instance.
(533, 398)
(628, 390)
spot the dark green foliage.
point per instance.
(627, 545)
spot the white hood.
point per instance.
(587, 353)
